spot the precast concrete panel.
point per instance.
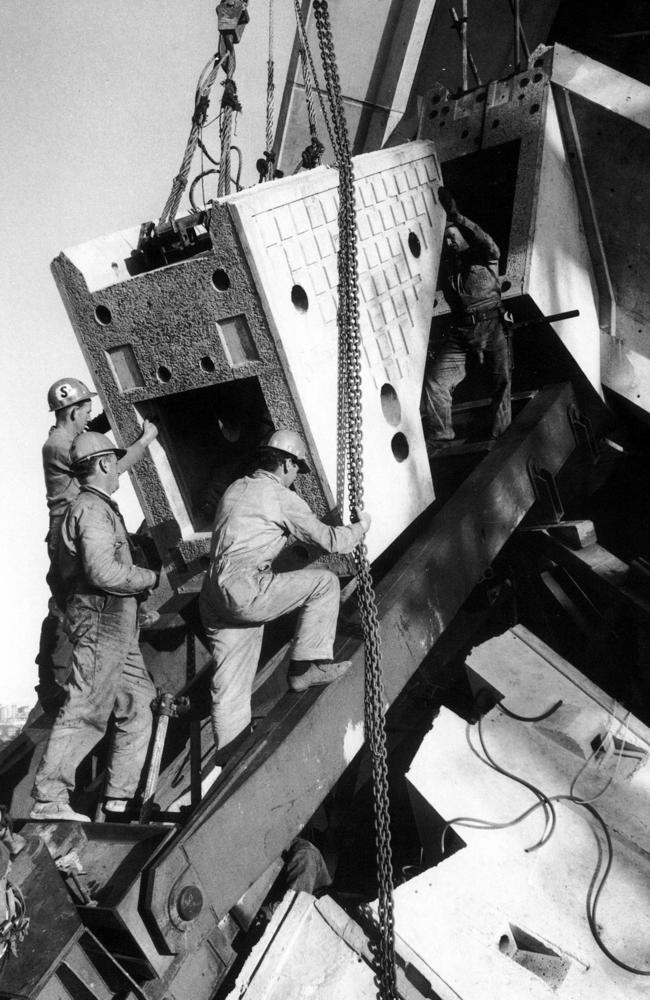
(238, 335)
(290, 233)
(559, 272)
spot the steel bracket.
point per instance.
(546, 492)
(583, 432)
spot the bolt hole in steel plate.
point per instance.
(299, 298)
(103, 315)
(163, 374)
(414, 244)
(220, 280)
(400, 447)
(207, 364)
(390, 405)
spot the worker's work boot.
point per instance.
(304, 674)
(56, 811)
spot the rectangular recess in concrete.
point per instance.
(238, 345)
(208, 438)
(125, 367)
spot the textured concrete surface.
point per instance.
(494, 917)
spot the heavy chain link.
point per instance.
(350, 441)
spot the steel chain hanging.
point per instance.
(270, 93)
(350, 377)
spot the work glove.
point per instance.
(447, 202)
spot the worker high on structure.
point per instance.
(473, 291)
(241, 592)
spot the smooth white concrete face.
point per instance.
(462, 916)
(289, 232)
(559, 274)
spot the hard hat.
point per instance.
(89, 444)
(290, 443)
(67, 392)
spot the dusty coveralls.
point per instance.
(473, 291)
(108, 673)
(255, 518)
(61, 488)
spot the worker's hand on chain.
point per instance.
(447, 201)
(149, 432)
(364, 520)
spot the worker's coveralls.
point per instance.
(255, 518)
(108, 674)
(61, 488)
(473, 292)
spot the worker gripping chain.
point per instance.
(241, 592)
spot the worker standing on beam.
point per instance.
(473, 292)
(241, 592)
(95, 570)
(70, 401)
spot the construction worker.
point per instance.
(473, 292)
(255, 518)
(70, 400)
(96, 571)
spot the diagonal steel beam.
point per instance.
(306, 742)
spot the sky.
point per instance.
(96, 107)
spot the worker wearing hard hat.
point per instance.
(102, 586)
(473, 291)
(255, 518)
(70, 400)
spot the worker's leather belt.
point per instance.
(478, 316)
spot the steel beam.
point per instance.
(307, 741)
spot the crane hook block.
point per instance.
(232, 16)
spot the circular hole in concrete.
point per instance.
(524, 81)
(436, 99)
(400, 447)
(163, 374)
(220, 280)
(520, 97)
(538, 62)
(103, 315)
(495, 123)
(537, 77)
(505, 286)
(414, 245)
(433, 114)
(505, 945)
(534, 108)
(207, 364)
(231, 430)
(299, 298)
(390, 405)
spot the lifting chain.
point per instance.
(310, 78)
(350, 446)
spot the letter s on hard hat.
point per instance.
(290, 443)
(89, 444)
(67, 392)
